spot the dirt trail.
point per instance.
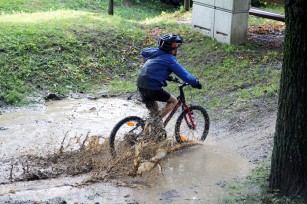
(191, 175)
(247, 135)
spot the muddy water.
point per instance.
(193, 176)
(41, 129)
(189, 176)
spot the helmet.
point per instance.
(169, 42)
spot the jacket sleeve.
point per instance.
(182, 73)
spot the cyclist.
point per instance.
(159, 64)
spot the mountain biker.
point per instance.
(160, 63)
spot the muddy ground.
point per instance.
(57, 151)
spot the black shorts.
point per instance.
(150, 96)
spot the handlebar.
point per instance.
(176, 80)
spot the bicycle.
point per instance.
(192, 120)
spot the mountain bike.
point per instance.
(191, 124)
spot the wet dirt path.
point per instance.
(189, 176)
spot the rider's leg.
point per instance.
(153, 107)
(154, 126)
(170, 104)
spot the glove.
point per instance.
(198, 85)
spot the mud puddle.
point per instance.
(40, 130)
(195, 175)
(31, 140)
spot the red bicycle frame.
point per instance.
(181, 101)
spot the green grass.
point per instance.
(225, 69)
(275, 8)
(132, 10)
(69, 47)
(255, 189)
(65, 50)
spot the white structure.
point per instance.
(224, 20)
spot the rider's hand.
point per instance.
(198, 85)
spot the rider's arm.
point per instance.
(183, 74)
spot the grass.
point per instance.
(62, 51)
(67, 47)
(255, 189)
(64, 46)
(275, 8)
(132, 10)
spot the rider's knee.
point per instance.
(172, 100)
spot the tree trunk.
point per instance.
(187, 5)
(111, 7)
(289, 158)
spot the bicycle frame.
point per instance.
(181, 102)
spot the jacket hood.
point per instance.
(152, 53)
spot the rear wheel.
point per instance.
(184, 129)
(126, 132)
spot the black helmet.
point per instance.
(169, 42)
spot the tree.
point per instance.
(289, 157)
(187, 5)
(111, 7)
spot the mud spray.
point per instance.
(76, 156)
(61, 151)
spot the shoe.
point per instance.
(154, 128)
(158, 126)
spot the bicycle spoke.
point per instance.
(188, 131)
(194, 127)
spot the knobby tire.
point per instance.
(139, 121)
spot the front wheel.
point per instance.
(192, 125)
(126, 132)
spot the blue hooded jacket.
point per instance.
(157, 68)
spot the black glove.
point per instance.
(198, 85)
